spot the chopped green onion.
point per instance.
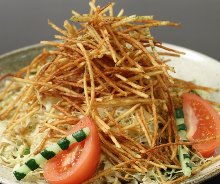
(184, 156)
(27, 151)
(179, 113)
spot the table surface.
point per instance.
(24, 22)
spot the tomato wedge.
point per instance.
(202, 121)
(79, 162)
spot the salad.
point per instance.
(100, 106)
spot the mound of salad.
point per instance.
(100, 106)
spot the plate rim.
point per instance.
(22, 49)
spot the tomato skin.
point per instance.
(202, 122)
(86, 163)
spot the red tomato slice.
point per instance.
(79, 162)
(202, 121)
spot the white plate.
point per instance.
(193, 66)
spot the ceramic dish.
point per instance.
(191, 66)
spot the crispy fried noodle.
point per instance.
(110, 70)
